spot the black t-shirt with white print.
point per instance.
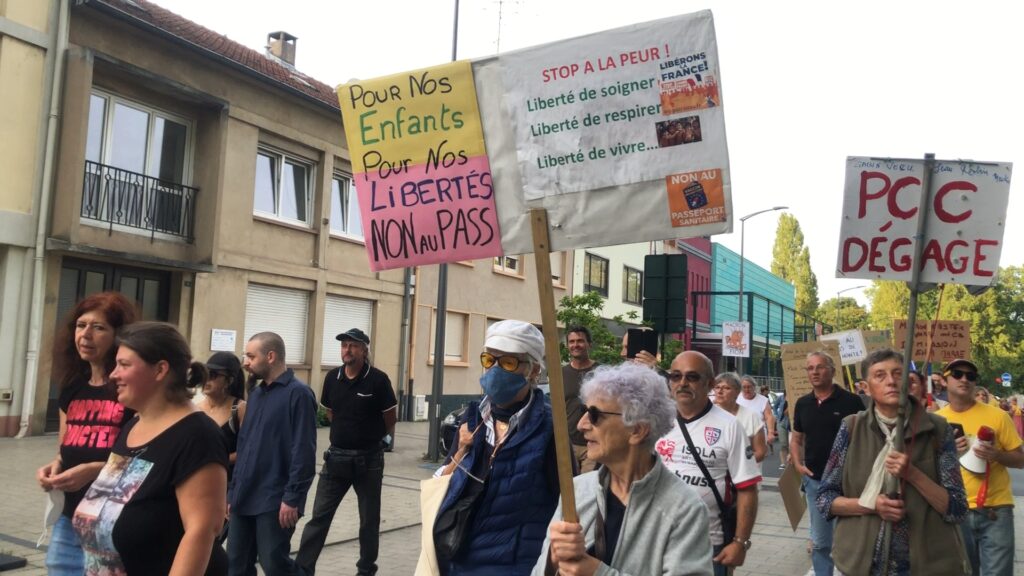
(129, 521)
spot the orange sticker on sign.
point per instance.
(696, 198)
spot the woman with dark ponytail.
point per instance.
(223, 397)
(159, 502)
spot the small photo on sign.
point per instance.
(693, 93)
(679, 131)
(696, 198)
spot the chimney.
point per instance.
(281, 45)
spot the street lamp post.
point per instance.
(743, 222)
(837, 300)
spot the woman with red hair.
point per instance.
(90, 415)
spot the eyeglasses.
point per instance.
(506, 362)
(691, 377)
(595, 415)
(958, 374)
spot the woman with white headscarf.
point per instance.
(504, 484)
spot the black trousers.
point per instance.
(344, 469)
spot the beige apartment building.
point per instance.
(209, 181)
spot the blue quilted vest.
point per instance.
(512, 516)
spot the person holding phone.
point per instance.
(988, 527)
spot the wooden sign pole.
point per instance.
(563, 451)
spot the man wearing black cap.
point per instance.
(362, 409)
(988, 528)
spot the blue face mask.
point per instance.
(501, 386)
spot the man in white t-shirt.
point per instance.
(727, 390)
(751, 400)
(721, 443)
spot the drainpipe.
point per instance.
(403, 355)
(58, 46)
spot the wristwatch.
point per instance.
(745, 543)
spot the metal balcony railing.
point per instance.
(124, 198)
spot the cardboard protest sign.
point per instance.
(851, 345)
(877, 340)
(736, 339)
(792, 496)
(964, 228)
(794, 367)
(950, 339)
(425, 189)
(619, 135)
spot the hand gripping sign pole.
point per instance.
(542, 260)
(891, 482)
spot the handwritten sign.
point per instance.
(794, 367)
(425, 188)
(632, 116)
(877, 340)
(736, 339)
(963, 234)
(950, 339)
(851, 345)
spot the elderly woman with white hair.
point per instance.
(636, 516)
(504, 484)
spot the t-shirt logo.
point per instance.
(665, 449)
(711, 435)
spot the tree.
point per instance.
(791, 261)
(844, 313)
(996, 317)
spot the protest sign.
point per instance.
(794, 367)
(877, 340)
(792, 496)
(851, 345)
(619, 135)
(964, 226)
(950, 339)
(736, 339)
(425, 189)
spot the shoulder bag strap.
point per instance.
(700, 464)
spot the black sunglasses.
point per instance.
(595, 415)
(677, 376)
(958, 374)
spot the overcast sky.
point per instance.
(804, 84)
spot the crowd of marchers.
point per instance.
(667, 463)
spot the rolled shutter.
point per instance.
(283, 311)
(341, 314)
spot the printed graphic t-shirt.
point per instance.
(128, 521)
(94, 419)
(722, 444)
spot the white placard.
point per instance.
(964, 230)
(736, 339)
(851, 345)
(222, 340)
(619, 135)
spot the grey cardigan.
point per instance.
(664, 531)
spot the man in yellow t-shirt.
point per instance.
(988, 529)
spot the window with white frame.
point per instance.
(282, 186)
(558, 268)
(284, 311)
(595, 274)
(508, 265)
(138, 165)
(632, 285)
(341, 314)
(455, 329)
(345, 217)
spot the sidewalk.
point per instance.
(776, 551)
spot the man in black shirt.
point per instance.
(362, 409)
(578, 341)
(816, 420)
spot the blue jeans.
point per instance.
(64, 556)
(252, 537)
(989, 541)
(821, 531)
(718, 569)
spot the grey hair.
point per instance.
(877, 356)
(640, 393)
(824, 356)
(749, 378)
(730, 378)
